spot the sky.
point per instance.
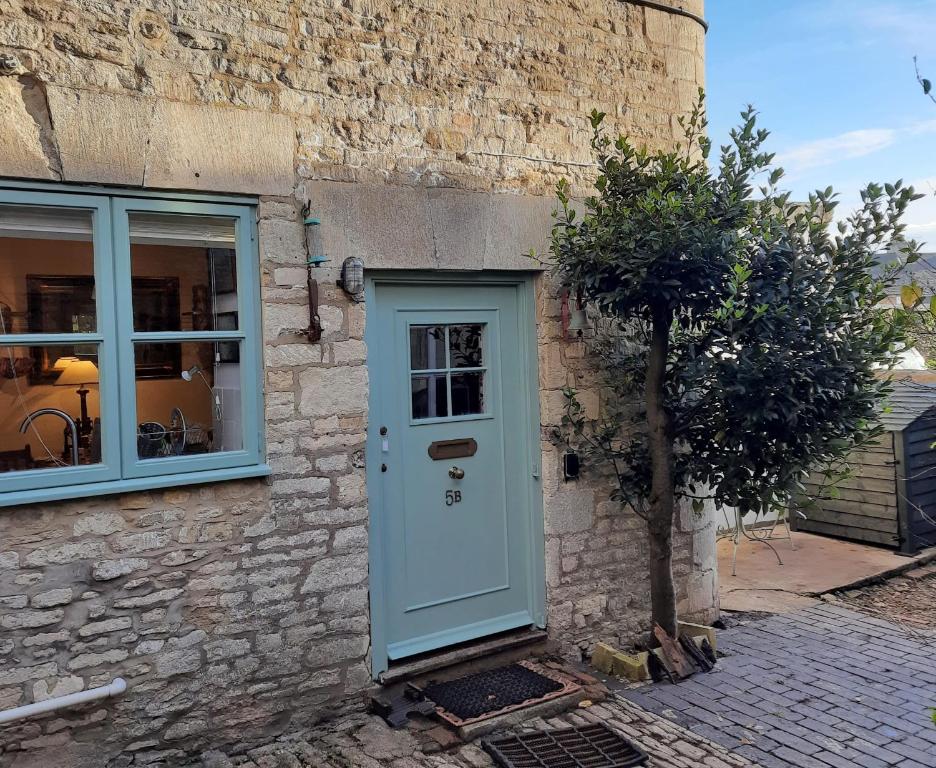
(834, 82)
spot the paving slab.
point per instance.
(819, 687)
(817, 565)
(764, 601)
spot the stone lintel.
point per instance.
(393, 227)
(23, 126)
(110, 138)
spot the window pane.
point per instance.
(197, 411)
(46, 270)
(427, 347)
(429, 396)
(184, 275)
(44, 392)
(467, 393)
(465, 346)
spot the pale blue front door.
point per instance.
(456, 548)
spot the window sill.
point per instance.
(65, 493)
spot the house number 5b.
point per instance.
(452, 497)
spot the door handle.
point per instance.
(456, 474)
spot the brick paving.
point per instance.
(820, 687)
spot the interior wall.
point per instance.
(156, 398)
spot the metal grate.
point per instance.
(590, 746)
(495, 691)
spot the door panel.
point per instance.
(457, 534)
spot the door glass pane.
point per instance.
(467, 393)
(427, 347)
(46, 270)
(193, 412)
(184, 274)
(430, 398)
(465, 346)
(50, 410)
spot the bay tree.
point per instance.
(741, 342)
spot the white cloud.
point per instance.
(925, 233)
(913, 23)
(847, 146)
(812, 154)
(909, 23)
(924, 126)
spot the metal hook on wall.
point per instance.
(315, 322)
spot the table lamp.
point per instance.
(80, 373)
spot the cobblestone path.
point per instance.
(825, 686)
(366, 742)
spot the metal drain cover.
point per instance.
(590, 746)
(496, 691)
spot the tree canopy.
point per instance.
(742, 339)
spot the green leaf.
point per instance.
(927, 86)
(596, 118)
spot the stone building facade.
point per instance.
(426, 137)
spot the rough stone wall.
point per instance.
(230, 608)
(596, 552)
(426, 135)
(478, 94)
(205, 601)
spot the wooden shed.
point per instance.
(891, 499)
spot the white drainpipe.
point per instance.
(117, 686)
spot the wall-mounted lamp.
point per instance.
(574, 317)
(352, 278)
(578, 322)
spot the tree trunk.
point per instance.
(662, 493)
(662, 589)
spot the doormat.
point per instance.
(589, 746)
(497, 691)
